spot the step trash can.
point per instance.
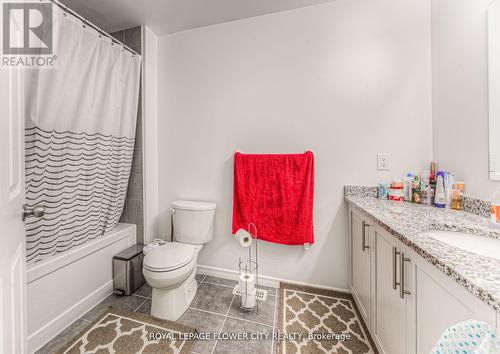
(127, 270)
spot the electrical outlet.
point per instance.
(383, 162)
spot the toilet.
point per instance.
(170, 269)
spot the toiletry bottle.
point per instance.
(425, 188)
(396, 190)
(383, 190)
(440, 196)
(495, 208)
(448, 186)
(416, 195)
(407, 187)
(432, 182)
(455, 198)
(461, 187)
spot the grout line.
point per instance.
(142, 303)
(245, 320)
(201, 281)
(143, 297)
(275, 330)
(232, 287)
(232, 317)
(206, 311)
(223, 323)
(226, 286)
(83, 319)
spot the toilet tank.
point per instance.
(193, 221)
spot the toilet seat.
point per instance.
(169, 257)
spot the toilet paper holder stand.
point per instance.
(249, 274)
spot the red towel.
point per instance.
(275, 192)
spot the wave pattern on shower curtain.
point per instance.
(80, 132)
(81, 180)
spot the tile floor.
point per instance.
(214, 309)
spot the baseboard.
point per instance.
(263, 279)
(51, 329)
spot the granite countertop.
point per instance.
(406, 221)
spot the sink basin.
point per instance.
(484, 246)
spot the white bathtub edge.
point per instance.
(48, 281)
(52, 264)
(43, 335)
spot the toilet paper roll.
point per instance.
(244, 238)
(246, 283)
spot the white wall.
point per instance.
(347, 79)
(460, 92)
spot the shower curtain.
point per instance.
(80, 131)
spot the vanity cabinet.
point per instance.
(406, 302)
(361, 263)
(440, 302)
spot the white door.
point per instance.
(360, 258)
(12, 232)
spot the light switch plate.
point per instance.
(383, 162)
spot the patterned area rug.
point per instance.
(125, 332)
(320, 321)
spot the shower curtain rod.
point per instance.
(90, 24)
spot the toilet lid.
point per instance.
(171, 256)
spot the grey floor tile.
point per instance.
(203, 322)
(249, 346)
(129, 303)
(64, 337)
(270, 290)
(199, 277)
(144, 290)
(265, 313)
(145, 307)
(214, 298)
(220, 281)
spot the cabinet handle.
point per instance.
(402, 291)
(363, 237)
(395, 254)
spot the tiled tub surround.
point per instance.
(133, 210)
(406, 221)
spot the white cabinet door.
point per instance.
(439, 303)
(390, 314)
(360, 264)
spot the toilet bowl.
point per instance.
(170, 269)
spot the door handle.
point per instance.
(395, 254)
(35, 212)
(363, 237)
(402, 291)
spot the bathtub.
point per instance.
(65, 286)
